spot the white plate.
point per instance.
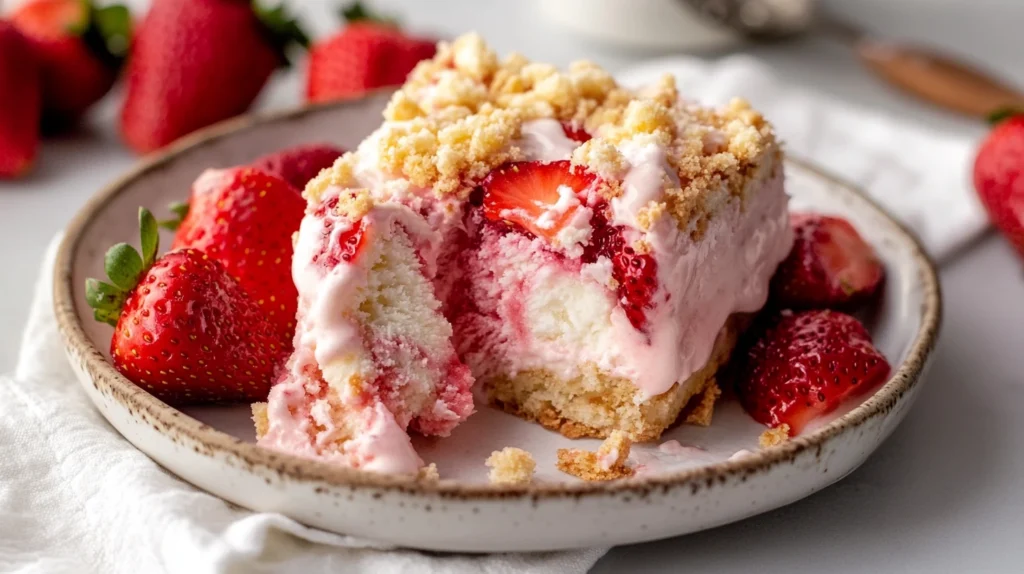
(212, 447)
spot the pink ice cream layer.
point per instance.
(511, 302)
(373, 329)
(524, 307)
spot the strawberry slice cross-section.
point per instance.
(541, 198)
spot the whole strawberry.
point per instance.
(244, 218)
(297, 165)
(999, 178)
(20, 99)
(197, 62)
(804, 365)
(80, 48)
(369, 52)
(184, 329)
(829, 266)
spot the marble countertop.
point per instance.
(946, 491)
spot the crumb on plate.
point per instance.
(608, 463)
(774, 436)
(511, 466)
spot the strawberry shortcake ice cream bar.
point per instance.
(584, 254)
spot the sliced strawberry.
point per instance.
(527, 194)
(635, 273)
(830, 265)
(297, 165)
(805, 364)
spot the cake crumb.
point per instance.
(608, 463)
(774, 436)
(428, 473)
(259, 418)
(511, 466)
(705, 409)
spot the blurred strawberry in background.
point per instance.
(999, 176)
(20, 100)
(188, 64)
(80, 48)
(370, 52)
(196, 62)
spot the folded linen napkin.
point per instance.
(76, 497)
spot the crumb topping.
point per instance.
(608, 463)
(774, 436)
(459, 115)
(511, 466)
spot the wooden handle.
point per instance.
(937, 78)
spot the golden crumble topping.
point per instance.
(460, 114)
(774, 436)
(511, 466)
(608, 463)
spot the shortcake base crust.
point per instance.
(595, 404)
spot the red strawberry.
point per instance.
(999, 178)
(575, 132)
(196, 62)
(368, 53)
(805, 365)
(244, 218)
(635, 273)
(297, 165)
(80, 49)
(830, 265)
(521, 192)
(19, 103)
(184, 330)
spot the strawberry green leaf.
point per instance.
(1003, 114)
(114, 26)
(180, 210)
(106, 316)
(283, 29)
(150, 237)
(123, 265)
(102, 295)
(357, 12)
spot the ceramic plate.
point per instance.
(693, 488)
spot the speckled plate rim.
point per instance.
(178, 424)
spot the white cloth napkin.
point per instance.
(76, 497)
(920, 175)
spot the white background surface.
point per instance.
(946, 492)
